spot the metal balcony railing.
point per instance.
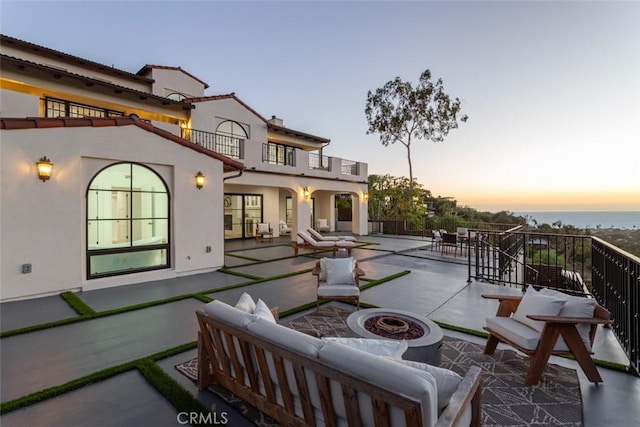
(222, 144)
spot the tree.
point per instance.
(400, 113)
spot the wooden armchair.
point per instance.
(329, 291)
(264, 231)
(547, 341)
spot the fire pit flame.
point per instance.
(392, 325)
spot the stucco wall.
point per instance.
(15, 104)
(44, 223)
(168, 81)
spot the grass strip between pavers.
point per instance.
(248, 258)
(77, 304)
(140, 364)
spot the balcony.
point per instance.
(281, 158)
(218, 143)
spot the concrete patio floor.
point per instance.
(435, 287)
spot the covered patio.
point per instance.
(121, 336)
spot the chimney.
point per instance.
(276, 121)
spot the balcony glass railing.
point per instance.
(316, 161)
(349, 167)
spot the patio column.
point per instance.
(360, 207)
(301, 215)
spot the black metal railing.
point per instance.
(616, 285)
(517, 258)
(222, 144)
(425, 226)
(316, 161)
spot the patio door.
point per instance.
(242, 213)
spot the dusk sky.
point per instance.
(552, 89)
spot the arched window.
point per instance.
(127, 221)
(232, 129)
(230, 136)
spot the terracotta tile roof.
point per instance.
(231, 95)
(44, 123)
(47, 52)
(147, 68)
(271, 126)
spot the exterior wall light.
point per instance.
(365, 196)
(306, 193)
(44, 168)
(199, 180)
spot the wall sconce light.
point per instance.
(306, 193)
(365, 196)
(199, 180)
(44, 168)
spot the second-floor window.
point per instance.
(229, 137)
(278, 154)
(62, 108)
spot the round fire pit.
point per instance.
(423, 336)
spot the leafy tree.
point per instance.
(401, 113)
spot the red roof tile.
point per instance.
(43, 123)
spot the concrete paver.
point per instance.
(20, 314)
(124, 400)
(42, 359)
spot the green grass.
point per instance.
(77, 304)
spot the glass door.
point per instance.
(242, 213)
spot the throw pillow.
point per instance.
(535, 303)
(246, 303)
(263, 312)
(447, 381)
(575, 306)
(339, 271)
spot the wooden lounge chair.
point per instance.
(309, 242)
(541, 345)
(321, 238)
(329, 291)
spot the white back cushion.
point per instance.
(575, 306)
(535, 303)
(339, 271)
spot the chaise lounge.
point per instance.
(309, 242)
(320, 237)
(301, 380)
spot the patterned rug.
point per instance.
(506, 401)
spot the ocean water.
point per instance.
(585, 219)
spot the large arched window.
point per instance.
(230, 137)
(127, 221)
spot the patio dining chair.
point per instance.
(450, 240)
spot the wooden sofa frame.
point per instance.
(555, 326)
(355, 298)
(215, 367)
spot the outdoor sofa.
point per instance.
(298, 379)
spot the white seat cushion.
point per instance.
(394, 377)
(533, 302)
(338, 291)
(345, 244)
(393, 349)
(447, 380)
(520, 334)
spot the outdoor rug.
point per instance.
(506, 401)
